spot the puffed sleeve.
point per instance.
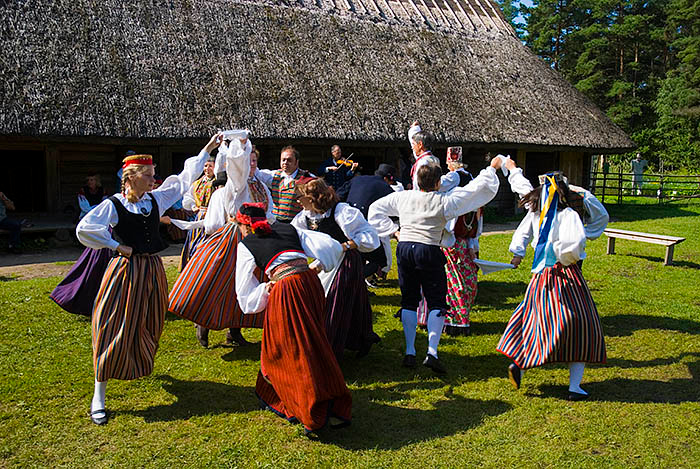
(597, 218)
(321, 247)
(569, 237)
(252, 295)
(519, 183)
(216, 215)
(265, 176)
(93, 230)
(298, 221)
(356, 228)
(523, 235)
(480, 191)
(449, 181)
(238, 163)
(381, 210)
(188, 200)
(176, 185)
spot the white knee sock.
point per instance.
(409, 320)
(98, 399)
(435, 325)
(575, 376)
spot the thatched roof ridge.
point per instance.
(179, 69)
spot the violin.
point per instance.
(345, 161)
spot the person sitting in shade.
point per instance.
(423, 216)
(91, 194)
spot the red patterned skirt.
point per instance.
(128, 317)
(205, 291)
(300, 379)
(557, 321)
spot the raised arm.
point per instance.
(480, 191)
(596, 218)
(381, 210)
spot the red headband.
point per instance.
(257, 224)
(137, 159)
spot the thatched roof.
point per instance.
(323, 69)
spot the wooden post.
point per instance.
(619, 186)
(605, 183)
(611, 245)
(669, 255)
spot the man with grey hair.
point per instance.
(422, 144)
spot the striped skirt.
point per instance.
(348, 312)
(128, 317)
(205, 291)
(194, 238)
(300, 379)
(557, 321)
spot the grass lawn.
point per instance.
(198, 409)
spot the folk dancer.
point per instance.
(205, 291)
(557, 321)
(299, 377)
(282, 182)
(348, 315)
(423, 216)
(129, 311)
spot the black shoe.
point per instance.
(234, 337)
(99, 420)
(514, 375)
(409, 361)
(577, 396)
(203, 336)
(434, 364)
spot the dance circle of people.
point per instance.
(245, 264)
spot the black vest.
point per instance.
(464, 178)
(266, 248)
(329, 226)
(138, 231)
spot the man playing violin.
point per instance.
(336, 169)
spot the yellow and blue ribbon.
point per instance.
(544, 252)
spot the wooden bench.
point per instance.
(668, 241)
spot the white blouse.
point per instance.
(567, 236)
(93, 230)
(253, 295)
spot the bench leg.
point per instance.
(611, 245)
(669, 255)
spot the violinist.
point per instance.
(336, 169)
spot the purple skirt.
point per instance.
(348, 312)
(76, 293)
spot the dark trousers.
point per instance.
(14, 227)
(375, 260)
(421, 266)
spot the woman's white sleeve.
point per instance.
(321, 247)
(597, 217)
(188, 200)
(238, 163)
(522, 235)
(176, 185)
(252, 295)
(569, 237)
(519, 183)
(381, 210)
(356, 228)
(298, 221)
(216, 215)
(93, 230)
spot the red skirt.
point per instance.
(557, 321)
(300, 377)
(205, 291)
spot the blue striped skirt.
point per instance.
(557, 321)
(194, 238)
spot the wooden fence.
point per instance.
(624, 188)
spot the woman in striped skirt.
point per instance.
(197, 200)
(205, 291)
(348, 315)
(557, 320)
(129, 310)
(299, 377)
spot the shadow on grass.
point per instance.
(195, 398)
(625, 324)
(246, 352)
(380, 420)
(4, 278)
(676, 263)
(646, 212)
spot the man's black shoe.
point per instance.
(203, 336)
(234, 337)
(409, 361)
(577, 396)
(434, 364)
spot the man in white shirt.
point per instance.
(423, 215)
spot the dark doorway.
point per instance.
(23, 179)
(540, 163)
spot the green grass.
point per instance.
(198, 408)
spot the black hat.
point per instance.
(385, 170)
